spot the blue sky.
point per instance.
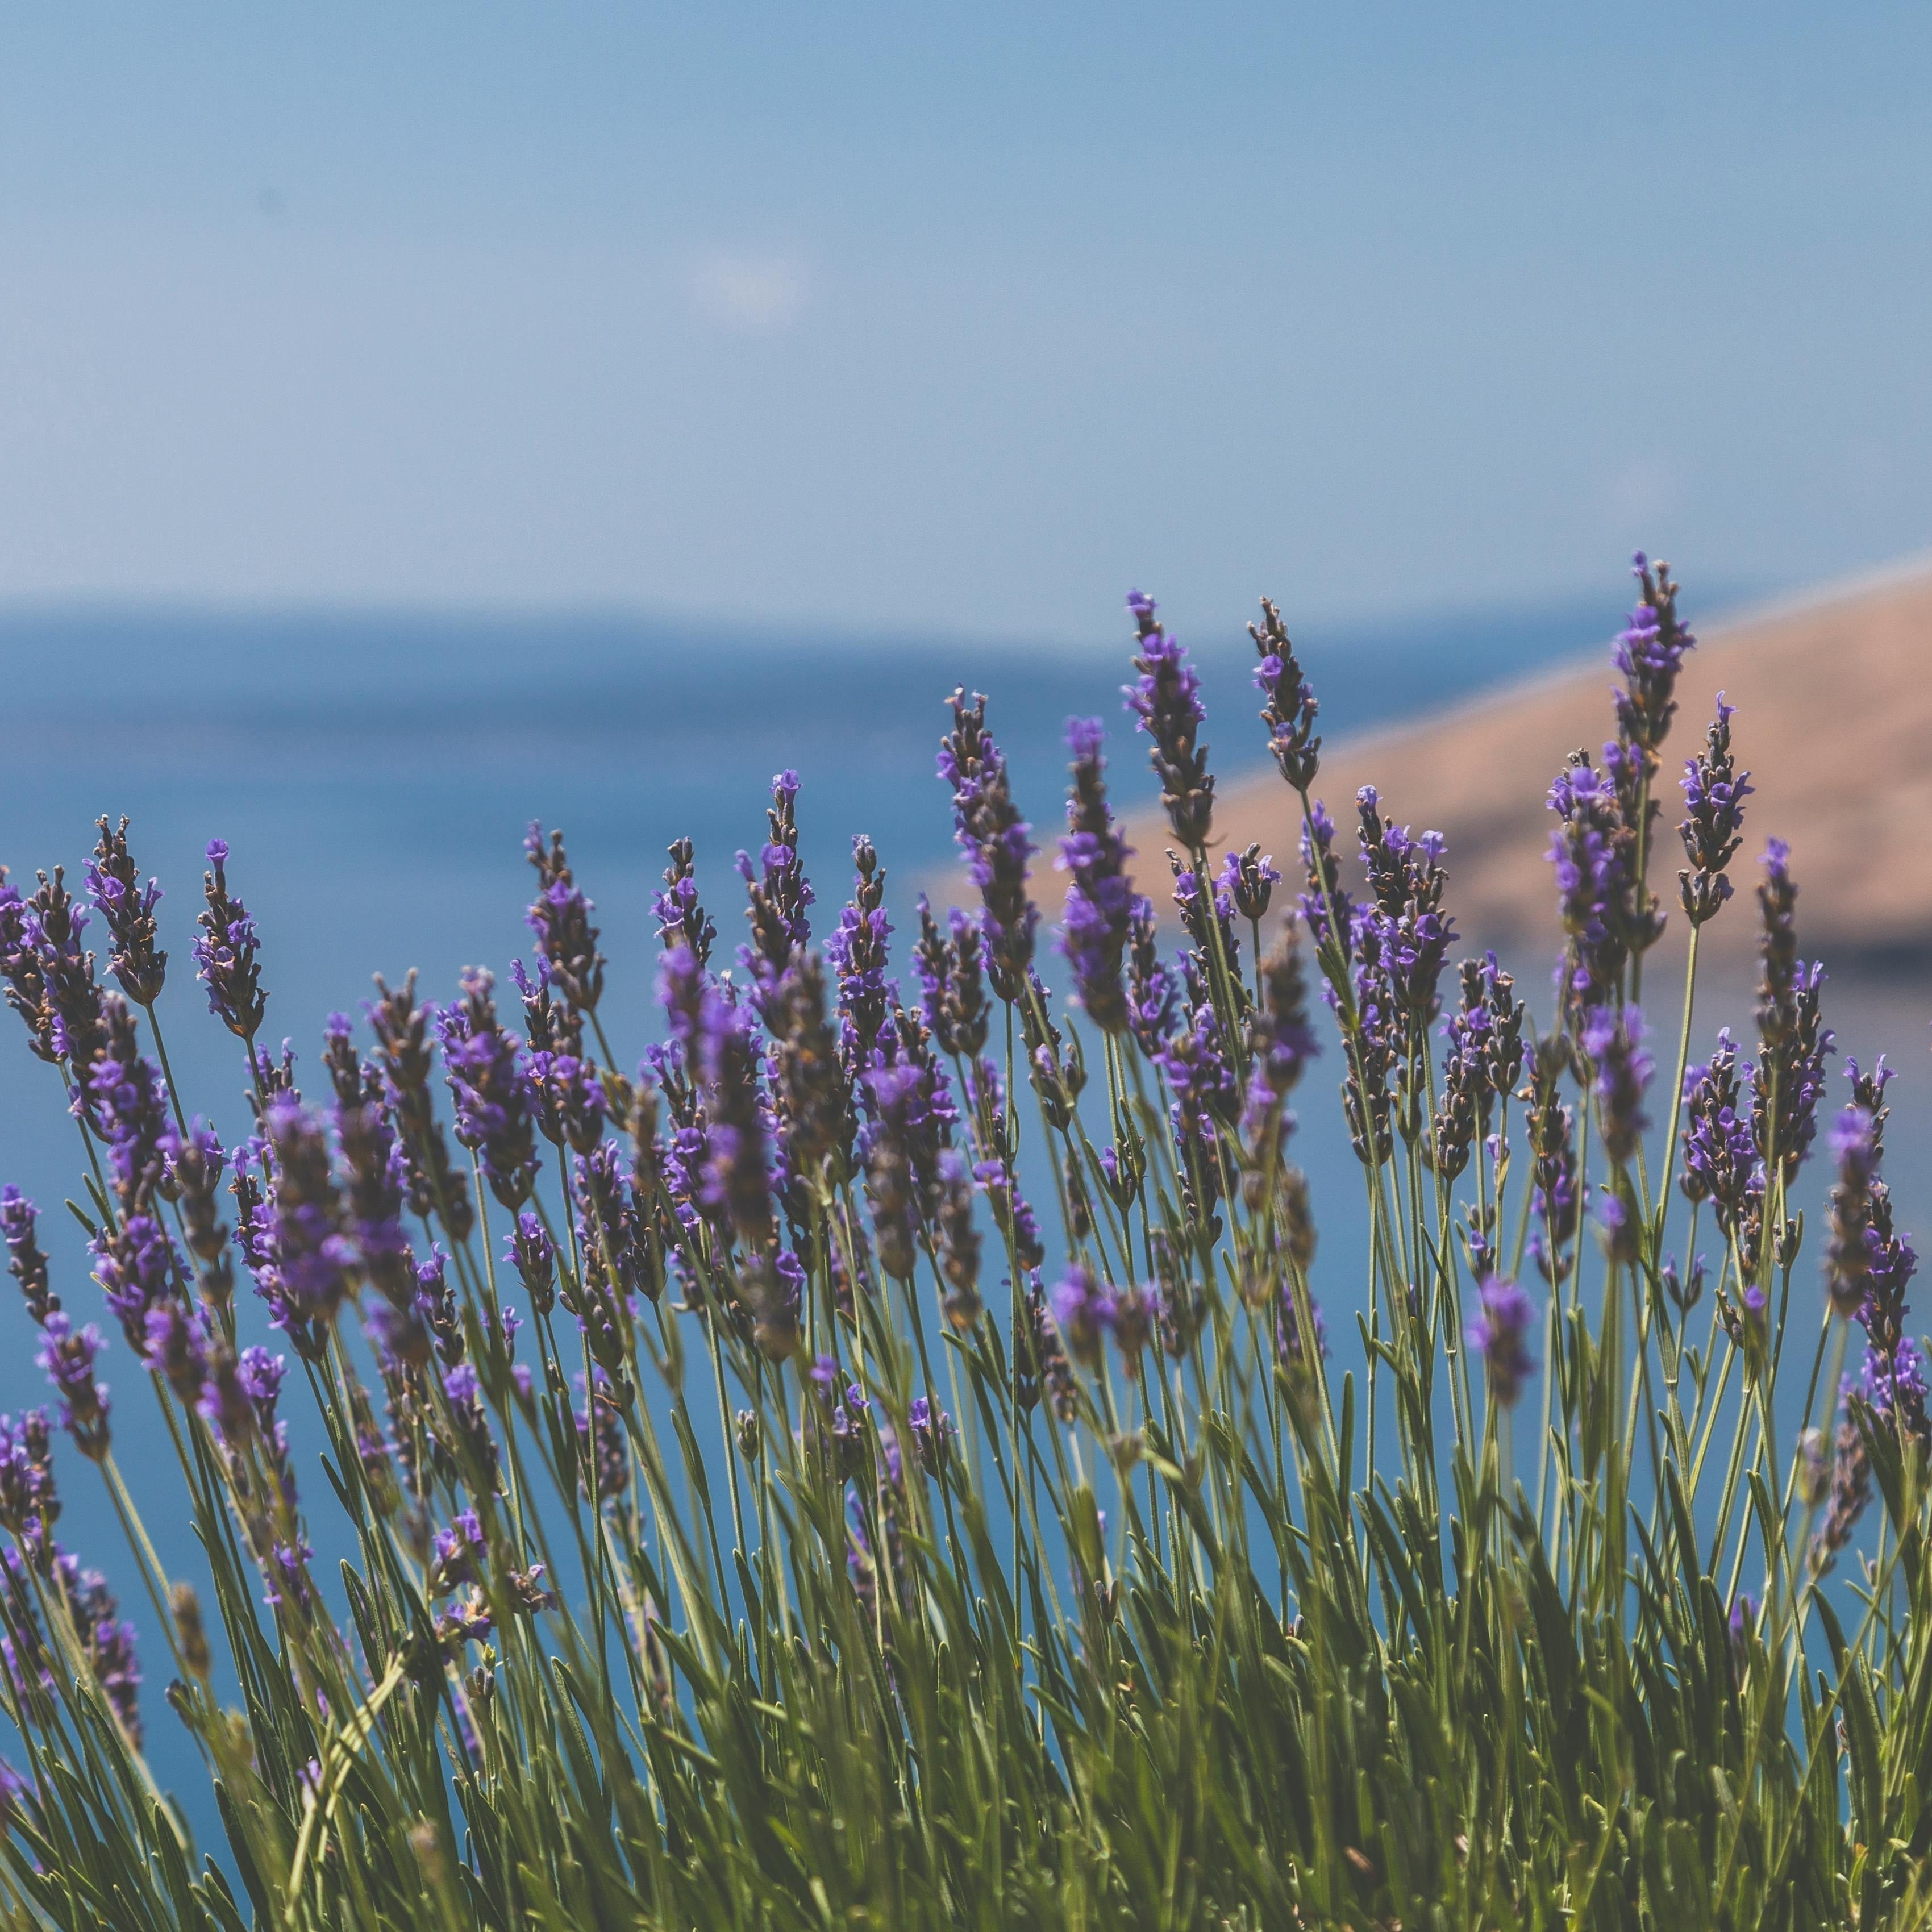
(930, 317)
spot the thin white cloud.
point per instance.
(749, 294)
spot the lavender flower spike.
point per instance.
(128, 907)
(560, 917)
(1290, 711)
(68, 1355)
(25, 1261)
(990, 831)
(1650, 653)
(1614, 1043)
(1098, 917)
(1167, 700)
(225, 954)
(1497, 1334)
(1848, 1255)
(779, 891)
(1714, 791)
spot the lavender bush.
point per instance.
(1044, 1569)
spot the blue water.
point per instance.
(374, 775)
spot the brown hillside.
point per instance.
(1834, 722)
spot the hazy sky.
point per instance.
(961, 316)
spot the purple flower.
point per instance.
(1290, 1344)
(1166, 699)
(989, 830)
(1084, 1306)
(109, 1640)
(859, 950)
(1847, 1258)
(1247, 880)
(1099, 915)
(1714, 791)
(1290, 711)
(1325, 899)
(68, 1355)
(1153, 993)
(932, 1431)
(225, 954)
(175, 1345)
(458, 1549)
(1796, 1044)
(1281, 1042)
(531, 1251)
(1497, 1334)
(1851, 1481)
(20, 967)
(128, 906)
(1719, 1152)
(25, 1261)
(1613, 1043)
(680, 917)
(1650, 652)
(129, 1107)
(560, 917)
(1207, 1092)
(603, 1460)
(1012, 1214)
(1604, 908)
(1554, 1204)
(301, 1257)
(779, 891)
(1412, 934)
(953, 992)
(489, 1089)
(28, 1505)
(136, 1265)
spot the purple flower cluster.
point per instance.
(1406, 880)
(680, 915)
(107, 1640)
(29, 1506)
(1714, 791)
(25, 1262)
(1290, 710)
(1847, 1257)
(989, 830)
(1794, 1042)
(1480, 1063)
(1613, 1042)
(1084, 1307)
(1153, 993)
(952, 988)
(1325, 899)
(1281, 1043)
(1098, 916)
(1499, 1334)
(1166, 699)
(225, 956)
(127, 906)
(1719, 1152)
(1605, 911)
(778, 889)
(489, 1089)
(68, 1354)
(1650, 652)
(859, 949)
(560, 917)
(300, 1253)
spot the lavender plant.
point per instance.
(881, 1461)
